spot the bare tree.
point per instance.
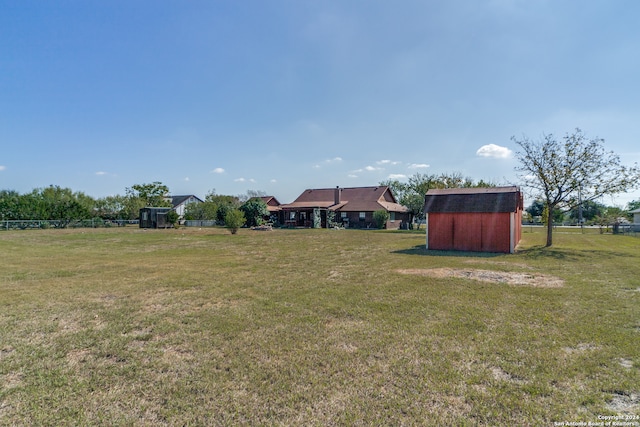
(573, 170)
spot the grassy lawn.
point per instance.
(312, 327)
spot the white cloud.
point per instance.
(372, 169)
(397, 176)
(387, 162)
(218, 170)
(2, 168)
(494, 151)
(273, 181)
(99, 173)
(239, 180)
(419, 166)
(328, 162)
(352, 176)
(187, 179)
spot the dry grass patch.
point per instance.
(511, 278)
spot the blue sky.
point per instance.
(283, 95)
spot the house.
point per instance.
(350, 207)
(474, 219)
(180, 203)
(273, 206)
(154, 217)
(636, 219)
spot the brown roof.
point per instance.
(273, 205)
(492, 199)
(351, 199)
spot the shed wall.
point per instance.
(477, 232)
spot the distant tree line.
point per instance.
(588, 213)
(65, 206)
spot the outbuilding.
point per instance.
(151, 217)
(474, 219)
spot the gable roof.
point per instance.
(492, 199)
(273, 205)
(350, 199)
(178, 200)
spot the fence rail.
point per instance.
(44, 224)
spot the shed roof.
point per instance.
(178, 200)
(491, 199)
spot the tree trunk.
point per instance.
(549, 226)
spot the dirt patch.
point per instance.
(11, 380)
(511, 278)
(624, 403)
(626, 363)
(501, 375)
(580, 348)
(503, 263)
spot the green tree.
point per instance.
(633, 205)
(380, 217)
(234, 219)
(255, 210)
(155, 194)
(201, 211)
(62, 205)
(564, 173)
(536, 209)
(172, 217)
(10, 205)
(111, 207)
(590, 210)
(223, 204)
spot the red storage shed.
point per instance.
(474, 219)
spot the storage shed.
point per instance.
(474, 219)
(154, 217)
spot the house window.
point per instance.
(392, 216)
(362, 215)
(292, 215)
(343, 215)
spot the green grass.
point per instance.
(311, 327)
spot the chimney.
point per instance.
(337, 195)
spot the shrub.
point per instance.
(254, 211)
(172, 218)
(381, 217)
(234, 219)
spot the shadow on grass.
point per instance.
(564, 254)
(421, 250)
(534, 252)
